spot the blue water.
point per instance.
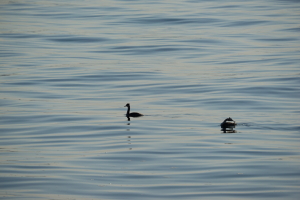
(69, 67)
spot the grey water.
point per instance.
(68, 68)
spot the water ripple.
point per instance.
(69, 67)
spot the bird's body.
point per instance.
(228, 123)
(133, 114)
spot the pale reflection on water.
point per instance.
(68, 68)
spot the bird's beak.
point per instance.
(125, 106)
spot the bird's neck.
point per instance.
(128, 110)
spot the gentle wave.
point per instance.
(69, 68)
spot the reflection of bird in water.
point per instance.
(133, 114)
(228, 124)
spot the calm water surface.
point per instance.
(69, 67)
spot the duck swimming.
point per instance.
(133, 114)
(228, 123)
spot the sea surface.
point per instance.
(68, 68)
